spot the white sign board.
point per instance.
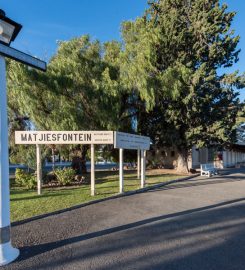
(131, 141)
(22, 57)
(64, 137)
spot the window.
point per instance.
(164, 154)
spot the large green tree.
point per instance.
(78, 91)
(174, 60)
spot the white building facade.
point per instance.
(233, 157)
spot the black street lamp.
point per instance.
(9, 29)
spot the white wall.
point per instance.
(231, 158)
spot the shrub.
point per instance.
(65, 175)
(19, 175)
(49, 177)
(25, 179)
(31, 182)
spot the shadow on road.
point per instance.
(193, 233)
(206, 238)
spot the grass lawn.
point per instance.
(25, 204)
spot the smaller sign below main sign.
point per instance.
(131, 141)
(64, 137)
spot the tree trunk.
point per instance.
(53, 159)
(83, 158)
(182, 161)
(79, 160)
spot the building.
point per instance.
(222, 158)
(225, 158)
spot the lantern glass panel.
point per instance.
(6, 32)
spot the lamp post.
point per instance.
(8, 32)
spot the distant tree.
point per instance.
(174, 61)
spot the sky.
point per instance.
(47, 21)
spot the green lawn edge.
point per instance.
(27, 204)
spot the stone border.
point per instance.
(128, 193)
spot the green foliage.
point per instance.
(65, 176)
(172, 59)
(241, 115)
(25, 179)
(24, 155)
(137, 68)
(19, 175)
(166, 79)
(73, 94)
(78, 91)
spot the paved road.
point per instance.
(198, 224)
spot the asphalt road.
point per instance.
(198, 224)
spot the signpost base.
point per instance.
(7, 253)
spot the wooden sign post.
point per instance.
(92, 171)
(138, 163)
(39, 169)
